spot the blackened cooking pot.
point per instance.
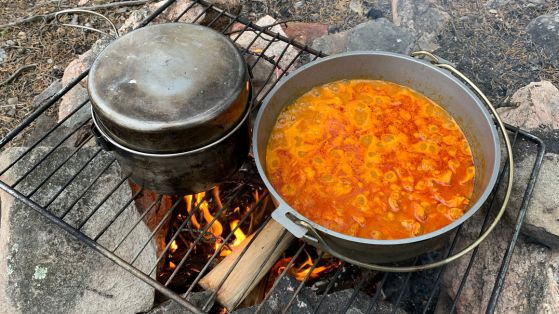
(430, 80)
(172, 101)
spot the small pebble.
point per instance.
(21, 50)
(12, 101)
(22, 35)
(493, 11)
(298, 4)
(10, 42)
(11, 112)
(333, 29)
(50, 61)
(374, 14)
(87, 25)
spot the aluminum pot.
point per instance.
(433, 82)
(172, 102)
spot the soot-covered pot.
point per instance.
(172, 101)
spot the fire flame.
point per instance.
(174, 246)
(216, 228)
(300, 272)
(239, 234)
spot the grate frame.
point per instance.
(304, 54)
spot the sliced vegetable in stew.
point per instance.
(371, 159)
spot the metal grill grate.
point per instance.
(373, 283)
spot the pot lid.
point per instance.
(169, 88)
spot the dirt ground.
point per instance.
(492, 48)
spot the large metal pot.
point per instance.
(172, 101)
(431, 81)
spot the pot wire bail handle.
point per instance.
(315, 236)
(68, 11)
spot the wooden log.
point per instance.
(271, 242)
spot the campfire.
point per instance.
(215, 224)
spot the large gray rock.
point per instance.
(333, 43)
(197, 299)
(307, 300)
(531, 284)
(544, 31)
(78, 94)
(534, 107)
(426, 18)
(381, 34)
(542, 217)
(45, 270)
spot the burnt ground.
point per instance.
(491, 47)
(44, 43)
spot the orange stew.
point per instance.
(371, 159)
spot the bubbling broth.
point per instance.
(371, 159)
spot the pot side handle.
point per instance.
(280, 214)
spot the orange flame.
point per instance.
(300, 272)
(216, 228)
(239, 234)
(174, 246)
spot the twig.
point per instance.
(50, 16)
(17, 73)
(395, 16)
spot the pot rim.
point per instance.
(471, 210)
(99, 126)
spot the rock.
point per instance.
(171, 307)
(10, 42)
(332, 44)
(298, 4)
(45, 95)
(380, 34)
(495, 4)
(306, 301)
(544, 31)
(426, 18)
(21, 35)
(261, 71)
(375, 14)
(274, 50)
(542, 217)
(534, 107)
(3, 55)
(78, 94)
(356, 6)
(155, 215)
(49, 271)
(12, 101)
(305, 33)
(168, 15)
(531, 283)
(231, 6)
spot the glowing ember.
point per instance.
(174, 246)
(172, 265)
